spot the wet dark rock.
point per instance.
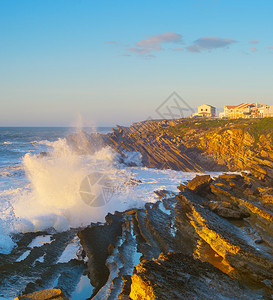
(259, 241)
(39, 269)
(126, 288)
(97, 242)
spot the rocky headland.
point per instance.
(193, 144)
(212, 238)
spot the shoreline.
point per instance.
(216, 231)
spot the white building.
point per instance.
(266, 111)
(247, 110)
(205, 110)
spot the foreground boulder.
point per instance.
(55, 294)
(200, 184)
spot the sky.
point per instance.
(117, 62)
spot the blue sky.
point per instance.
(115, 62)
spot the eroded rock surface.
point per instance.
(212, 243)
(41, 261)
(180, 276)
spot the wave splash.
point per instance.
(51, 193)
(52, 198)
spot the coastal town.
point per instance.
(244, 110)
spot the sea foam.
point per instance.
(51, 197)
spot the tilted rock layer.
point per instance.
(200, 145)
(192, 144)
(210, 241)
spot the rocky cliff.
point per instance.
(193, 145)
(213, 239)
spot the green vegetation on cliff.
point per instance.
(255, 127)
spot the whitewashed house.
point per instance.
(205, 110)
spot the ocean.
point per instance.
(16, 143)
(46, 187)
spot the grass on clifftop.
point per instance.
(256, 127)
(205, 124)
(259, 127)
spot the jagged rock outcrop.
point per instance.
(200, 184)
(188, 246)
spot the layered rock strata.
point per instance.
(211, 240)
(192, 145)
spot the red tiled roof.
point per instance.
(240, 106)
(245, 105)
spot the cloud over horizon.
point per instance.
(209, 43)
